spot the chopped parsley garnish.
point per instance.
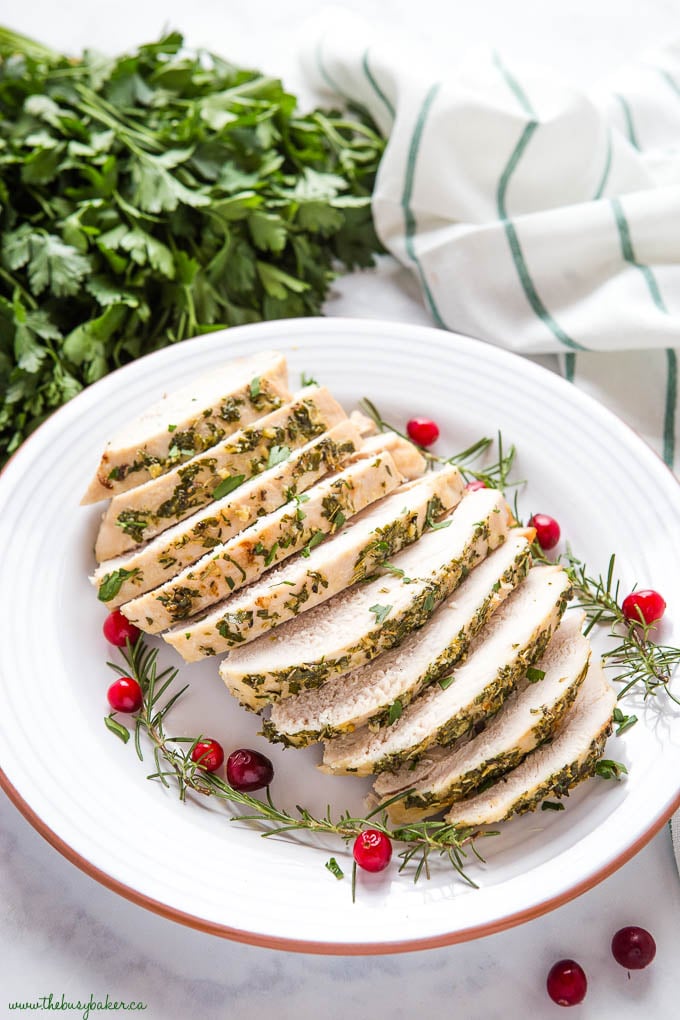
(624, 722)
(380, 612)
(334, 868)
(228, 485)
(434, 507)
(608, 769)
(315, 540)
(277, 455)
(396, 708)
(113, 582)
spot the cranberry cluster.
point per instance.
(632, 947)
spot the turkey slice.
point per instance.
(300, 524)
(553, 769)
(513, 639)
(355, 553)
(407, 457)
(355, 626)
(137, 515)
(387, 685)
(184, 423)
(530, 715)
(125, 577)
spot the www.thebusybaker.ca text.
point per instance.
(86, 1007)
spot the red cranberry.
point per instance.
(372, 850)
(567, 983)
(249, 770)
(125, 695)
(634, 948)
(208, 754)
(547, 530)
(647, 604)
(477, 483)
(117, 629)
(422, 431)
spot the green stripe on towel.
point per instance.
(528, 285)
(514, 86)
(569, 367)
(375, 86)
(669, 79)
(333, 85)
(628, 118)
(409, 218)
(671, 357)
(607, 167)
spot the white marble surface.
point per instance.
(61, 932)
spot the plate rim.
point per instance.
(319, 948)
(331, 324)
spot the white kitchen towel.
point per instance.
(534, 216)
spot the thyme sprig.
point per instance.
(174, 765)
(494, 475)
(640, 662)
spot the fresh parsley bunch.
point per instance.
(155, 196)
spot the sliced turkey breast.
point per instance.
(365, 425)
(407, 457)
(137, 515)
(125, 577)
(530, 715)
(553, 769)
(300, 524)
(355, 553)
(383, 688)
(192, 419)
(355, 626)
(513, 639)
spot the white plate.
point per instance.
(86, 792)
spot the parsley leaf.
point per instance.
(396, 708)
(113, 582)
(315, 540)
(277, 455)
(154, 196)
(228, 485)
(381, 612)
(605, 768)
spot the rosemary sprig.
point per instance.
(640, 662)
(174, 764)
(494, 475)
